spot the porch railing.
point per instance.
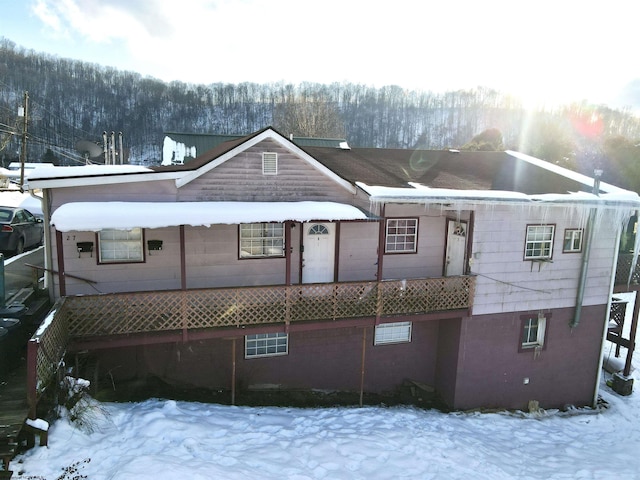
(45, 352)
(124, 313)
(623, 267)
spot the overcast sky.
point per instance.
(553, 50)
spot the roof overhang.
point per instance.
(96, 216)
(60, 177)
(420, 194)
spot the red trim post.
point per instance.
(632, 335)
(183, 260)
(60, 252)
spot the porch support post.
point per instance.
(288, 248)
(336, 250)
(467, 267)
(362, 369)
(183, 261)
(60, 253)
(632, 335)
(233, 371)
(379, 272)
(32, 377)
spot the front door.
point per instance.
(319, 252)
(456, 248)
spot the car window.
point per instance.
(29, 216)
(5, 215)
(19, 217)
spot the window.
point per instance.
(269, 163)
(259, 240)
(120, 246)
(539, 242)
(533, 331)
(265, 345)
(572, 241)
(398, 332)
(401, 235)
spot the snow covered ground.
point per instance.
(164, 439)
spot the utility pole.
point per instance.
(23, 155)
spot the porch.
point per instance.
(97, 321)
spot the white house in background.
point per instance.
(485, 275)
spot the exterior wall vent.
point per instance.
(269, 163)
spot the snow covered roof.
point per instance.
(96, 216)
(423, 195)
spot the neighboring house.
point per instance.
(264, 264)
(180, 148)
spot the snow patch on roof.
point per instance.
(96, 216)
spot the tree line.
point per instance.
(72, 100)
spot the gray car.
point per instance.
(19, 230)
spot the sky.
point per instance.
(545, 51)
(161, 439)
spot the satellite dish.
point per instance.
(88, 149)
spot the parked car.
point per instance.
(19, 230)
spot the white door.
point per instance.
(456, 248)
(319, 252)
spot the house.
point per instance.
(262, 264)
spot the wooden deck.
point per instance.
(13, 411)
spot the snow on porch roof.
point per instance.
(96, 216)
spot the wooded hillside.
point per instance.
(72, 100)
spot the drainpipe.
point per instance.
(587, 252)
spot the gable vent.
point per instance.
(269, 163)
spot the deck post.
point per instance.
(362, 369)
(32, 377)
(632, 335)
(233, 371)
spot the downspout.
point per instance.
(48, 258)
(587, 252)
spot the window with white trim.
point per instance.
(572, 240)
(266, 345)
(120, 246)
(401, 235)
(533, 331)
(539, 244)
(269, 163)
(259, 240)
(397, 332)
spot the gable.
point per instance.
(241, 178)
(222, 154)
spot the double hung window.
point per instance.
(401, 235)
(572, 241)
(539, 244)
(120, 246)
(259, 240)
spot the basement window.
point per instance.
(397, 332)
(269, 163)
(120, 246)
(534, 329)
(266, 345)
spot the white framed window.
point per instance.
(120, 246)
(269, 163)
(572, 240)
(397, 332)
(401, 235)
(266, 345)
(539, 244)
(259, 240)
(534, 328)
